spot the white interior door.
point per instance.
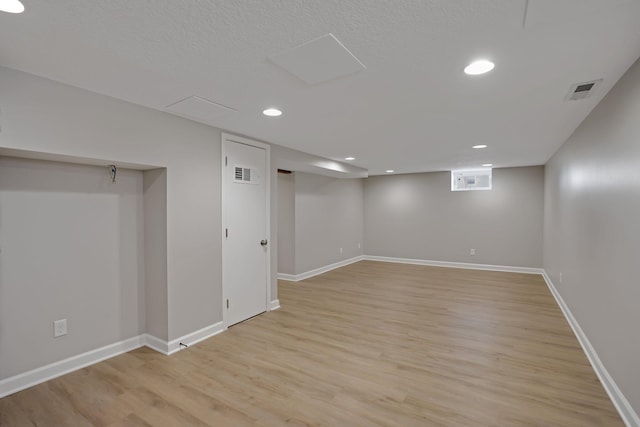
(245, 233)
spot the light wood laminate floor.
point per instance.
(368, 344)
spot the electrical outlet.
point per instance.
(340, 250)
(560, 277)
(59, 328)
(472, 251)
(359, 245)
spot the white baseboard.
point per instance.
(326, 268)
(48, 372)
(320, 270)
(36, 376)
(155, 343)
(45, 373)
(629, 416)
(194, 337)
(466, 265)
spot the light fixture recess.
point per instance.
(11, 6)
(479, 67)
(479, 146)
(389, 171)
(487, 165)
(272, 112)
(350, 158)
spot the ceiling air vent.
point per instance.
(582, 90)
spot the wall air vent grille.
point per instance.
(582, 90)
(245, 175)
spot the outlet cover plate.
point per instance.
(59, 328)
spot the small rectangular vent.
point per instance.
(245, 175)
(582, 90)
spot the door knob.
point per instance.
(263, 242)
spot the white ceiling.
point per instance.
(411, 109)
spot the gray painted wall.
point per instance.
(286, 224)
(418, 216)
(592, 229)
(44, 116)
(155, 252)
(72, 247)
(328, 216)
(590, 221)
(273, 235)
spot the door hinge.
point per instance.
(226, 159)
(227, 304)
(226, 233)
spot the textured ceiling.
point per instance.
(411, 110)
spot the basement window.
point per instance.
(471, 179)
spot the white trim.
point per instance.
(155, 343)
(53, 370)
(320, 270)
(465, 265)
(45, 373)
(227, 137)
(629, 416)
(626, 411)
(194, 337)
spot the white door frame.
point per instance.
(227, 137)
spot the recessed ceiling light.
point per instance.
(479, 67)
(272, 112)
(389, 171)
(11, 6)
(479, 146)
(487, 165)
(349, 158)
